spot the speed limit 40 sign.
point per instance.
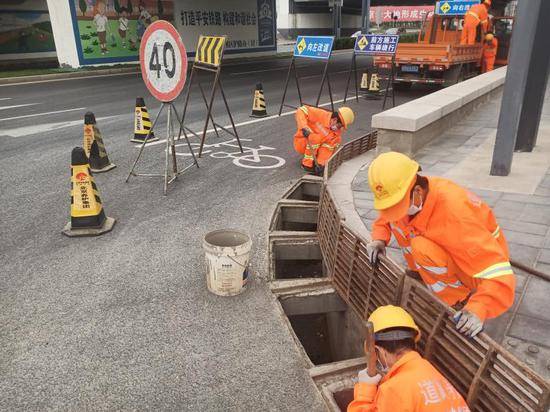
(163, 61)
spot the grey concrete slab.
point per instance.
(526, 239)
(536, 298)
(534, 199)
(531, 329)
(509, 209)
(523, 227)
(363, 204)
(536, 214)
(364, 194)
(544, 256)
(522, 253)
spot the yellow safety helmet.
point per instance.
(487, 2)
(346, 116)
(389, 317)
(391, 177)
(489, 37)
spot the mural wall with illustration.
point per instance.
(25, 32)
(111, 30)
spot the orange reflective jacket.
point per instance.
(477, 14)
(490, 50)
(411, 385)
(466, 229)
(318, 121)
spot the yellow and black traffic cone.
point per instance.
(374, 87)
(99, 161)
(364, 83)
(142, 123)
(87, 214)
(259, 106)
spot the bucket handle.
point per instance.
(238, 263)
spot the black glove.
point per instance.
(306, 132)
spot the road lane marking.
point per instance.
(17, 105)
(5, 98)
(263, 119)
(71, 78)
(47, 127)
(41, 114)
(259, 71)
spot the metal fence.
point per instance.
(488, 376)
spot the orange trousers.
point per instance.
(469, 30)
(322, 150)
(488, 63)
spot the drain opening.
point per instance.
(296, 218)
(297, 260)
(326, 328)
(343, 398)
(307, 191)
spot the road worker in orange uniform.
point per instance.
(478, 14)
(449, 238)
(406, 381)
(319, 134)
(490, 46)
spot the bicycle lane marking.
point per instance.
(251, 158)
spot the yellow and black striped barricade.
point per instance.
(208, 57)
(87, 214)
(259, 108)
(142, 123)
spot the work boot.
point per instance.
(309, 169)
(319, 170)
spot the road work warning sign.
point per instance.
(376, 44)
(314, 47)
(454, 7)
(210, 50)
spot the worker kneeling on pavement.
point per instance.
(449, 238)
(405, 381)
(319, 134)
(490, 46)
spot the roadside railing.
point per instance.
(488, 376)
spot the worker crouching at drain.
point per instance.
(319, 134)
(449, 238)
(405, 381)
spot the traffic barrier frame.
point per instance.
(489, 377)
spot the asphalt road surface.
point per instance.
(124, 321)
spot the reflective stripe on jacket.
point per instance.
(318, 121)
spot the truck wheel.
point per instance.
(402, 86)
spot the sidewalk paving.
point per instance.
(521, 203)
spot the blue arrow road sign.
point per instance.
(313, 47)
(454, 7)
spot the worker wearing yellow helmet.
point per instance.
(490, 46)
(318, 134)
(477, 15)
(449, 237)
(405, 381)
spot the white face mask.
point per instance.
(413, 209)
(382, 369)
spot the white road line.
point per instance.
(42, 114)
(263, 119)
(71, 78)
(5, 98)
(47, 127)
(17, 105)
(259, 71)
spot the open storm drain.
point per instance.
(308, 191)
(295, 217)
(293, 258)
(325, 327)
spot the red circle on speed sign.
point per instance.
(163, 61)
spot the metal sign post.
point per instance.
(209, 58)
(373, 45)
(163, 61)
(310, 47)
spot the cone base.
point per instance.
(151, 139)
(110, 166)
(259, 115)
(93, 231)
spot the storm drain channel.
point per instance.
(295, 216)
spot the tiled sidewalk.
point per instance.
(524, 214)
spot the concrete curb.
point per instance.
(69, 75)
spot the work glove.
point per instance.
(375, 248)
(306, 132)
(364, 377)
(468, 323)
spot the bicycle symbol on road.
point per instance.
(250, 159)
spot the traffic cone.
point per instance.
(99, 161)
(142, 123)
(364, 83)
(374, 87)
(258, 106)
(87, 214)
